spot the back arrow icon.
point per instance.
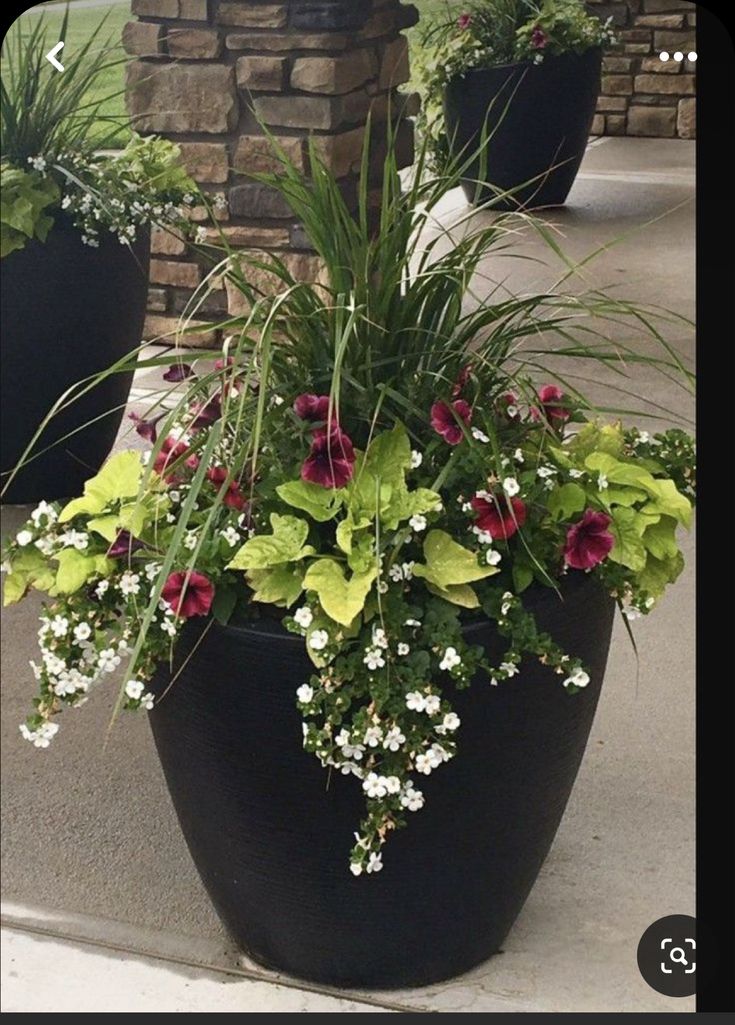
(51, 56)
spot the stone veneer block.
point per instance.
(652, 121)
(249, 15)
(166, 243)
(194, 43)
(250, 236)
(173, 272)
(321, 112)
(255, 154)
(334, 75)
(169, 328)
(341, 153)
(329, 14)
(156, 8)
(258, 201)
(267, 74)
(686, 119)
(395, 68)
(205, 161)
(182, 97)
(280, 42)
(677, 85)
(143, 39)
(193, 10)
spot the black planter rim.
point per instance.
(513, 65)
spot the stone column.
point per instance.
(206, 71)
(641, 94)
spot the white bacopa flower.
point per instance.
(24, 537)
(190, 540)
(374, 786)
(451, 722)
(578, 678)
(407, 568)
(509, 668)
(438, 755)
(575, 473)
(602, 481)
(59, 626)
(450, 660)
(433, 704)
(108, 660)
(305, 693)
(403, 648)
(134, 689)
(467, 507)
(412, 622)
(375, 862)
(373, 736)
(304, 617)
(373, 659)
(518, 456)
(82, 632)
(147, 701)
(424, 764)
(45, 545)
(392, 784)
(380, 639)
(492, 557)
(168, 626)
(394, 738)
(319, 640)
(42, 736)
(356, 868)
(507, 603)
(511, 486)
(416, 701)
(411, 798)
(43, 511)
(417, 523)
(395, 573)
(480, 436)
(632, 613)
(643, 438)
(130, 583)
(484, 537)
(383, 586)
(545, 471)
(38, 164)
(230, 535)
(416, 459)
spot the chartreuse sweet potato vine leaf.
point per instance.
(119, 478)
(342, 599)
(284, 545)
(30, 569)
(450, 568)
(76, 568)
(567, 500)
(280, 585)
(320, 503)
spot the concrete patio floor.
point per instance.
(102, 906)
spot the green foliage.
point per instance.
(286, 544)
(341, 598)
(24, 199)
(119, 478)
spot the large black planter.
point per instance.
(68, 311)
(538, 120)
(270, 833)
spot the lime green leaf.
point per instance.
(29, 568)
(420, 501)
(389, 456)
(669, 501)
(320, 503)
(457, 594)
(340, 598)
(658, 573)
(660, 538)
(618, 472)
(119, 478)
(280, 585)
(628, 549)
(76, 568)
(608, 439)
(621, 496)
(285, 544)
(566, 500)
(449, 563)
(362, 556)
(105, 526)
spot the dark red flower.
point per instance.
(444, 420)
(462, 378)
(552, 403)
(124, 544)
(173, 450)
(233, 497)
(146, 428)
(313, 407)
(222, 364)
(507, 406)
(331, 460)
(178, 372)
(464, 21)
(206, 413)
(539, 39)
(188, 594)
(589, 541)
(499, 515)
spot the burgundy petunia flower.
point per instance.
(124, 544)
(539, 39)
(552, 399)
(178, 372)
(146, 428)
(206, 413)
(313, 408)
(171, 451)
(507, 406)
(444, 421)
(331, 460)
(589, 541)
(222, 364)
(188, 594)
(233, 497)
(499, 515)
(464, 21)
(462, 378)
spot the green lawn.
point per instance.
(82, 23)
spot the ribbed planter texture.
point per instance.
(270, 831)
(68, 311)
(531, 123)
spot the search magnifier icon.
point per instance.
(677, 955)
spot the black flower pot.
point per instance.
(270, 831)
(68, 311)
(538, 119)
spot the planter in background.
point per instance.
(538, 119)
(68, 311)
(270, 831)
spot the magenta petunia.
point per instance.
(178, 372)
(331, 460)
(588, 542)
(444, 420)
(314, 408)
(464, 21)
(204, 414)
(233, 498)
(462, 378)
(124, 544)
(507, 406)
(188, 594)
(539, 39)
(146, 428)
(172, 451)
(499, 515)
(552, 401)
